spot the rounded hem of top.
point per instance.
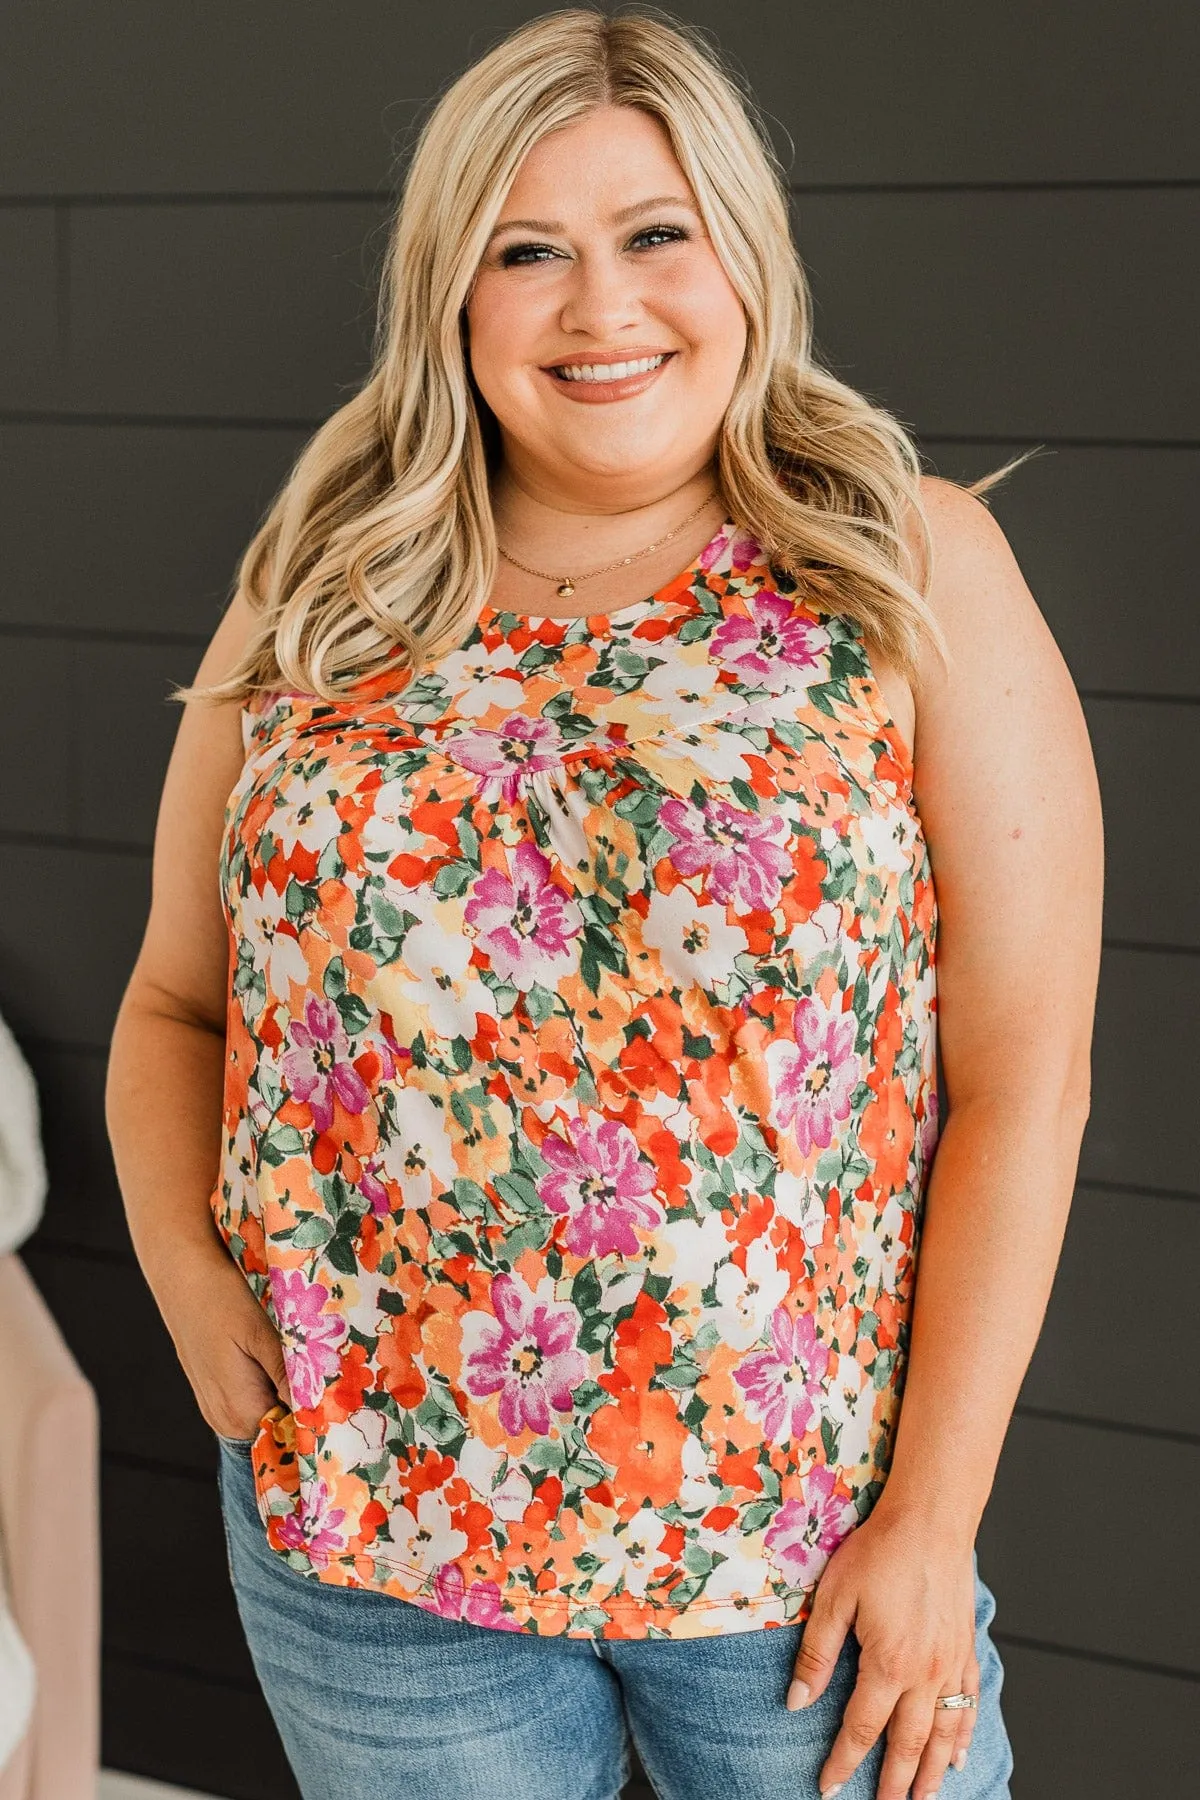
(621, 1607)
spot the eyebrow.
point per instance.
(617, 218)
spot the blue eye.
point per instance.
(673, 233)
(517, 252)
(513, 255)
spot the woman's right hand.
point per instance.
(227, 1345)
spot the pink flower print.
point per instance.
(309, 1335)
(783, 1384)
(813, 1078)
(771, 642)
(740, 853)
(314, 1525)
(527, 1354)
(478, 1604)
(320, 1064)
(805, 1533)
(373, 1190)
(523, 922)
(602, 1182)
(516, 748)
(744, 550)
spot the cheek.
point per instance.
(704, 310)
(502, 327)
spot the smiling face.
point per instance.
(602, 258)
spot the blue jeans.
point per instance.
(376, 1699)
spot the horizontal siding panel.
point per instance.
(83, 1206)
(257, 311)
(1148, 760)
(70, 932)
(167, 1724)
(217, 310)
(30, 295)
(1141, 1132)
(1005, 314)
(279, 97)
(1089, 1357)
(39, 737)
(97, 774)
(1088, 1541)
(1088, 1730)
(165, 1578)
(127, 729)
(159, 517)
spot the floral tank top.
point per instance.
(580, 1099)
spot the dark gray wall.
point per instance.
(999, 209)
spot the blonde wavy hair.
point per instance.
(382, 532)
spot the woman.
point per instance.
(599, 699)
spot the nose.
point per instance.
(604, 297)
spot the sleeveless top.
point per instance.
(580, 1100)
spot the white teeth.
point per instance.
(608, 371)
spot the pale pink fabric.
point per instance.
(50, 1526)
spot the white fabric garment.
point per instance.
(22, 1164)
(22, 1198)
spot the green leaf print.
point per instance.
(451, 880)
(586, 1291)
(438, 1415)
(279, 1143)
(313, 1231)
(589, 1618)
(340, 1249)
(330, 867)
(756, 1515)
(695, 1412)
(334, 981)
(518, 1193)
(388, 917)
(540, 1004)
(355, 1014)
(831, 1436)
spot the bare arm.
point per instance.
(163, 1098)
(1007, 791)
(1008, 796)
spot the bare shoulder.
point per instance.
(994, 628)
(1006, 786)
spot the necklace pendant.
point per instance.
(565, 589)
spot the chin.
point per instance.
(582, 456)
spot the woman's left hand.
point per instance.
(910, 1597)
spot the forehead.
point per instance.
(597, 164)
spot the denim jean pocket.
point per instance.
(237, 1446)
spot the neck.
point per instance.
(536, 522)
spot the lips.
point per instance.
(609, 362)
(607, 393)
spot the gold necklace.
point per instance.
(566, 586)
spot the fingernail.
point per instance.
(828, 1793)
(798, 1695)
(959, 1759)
